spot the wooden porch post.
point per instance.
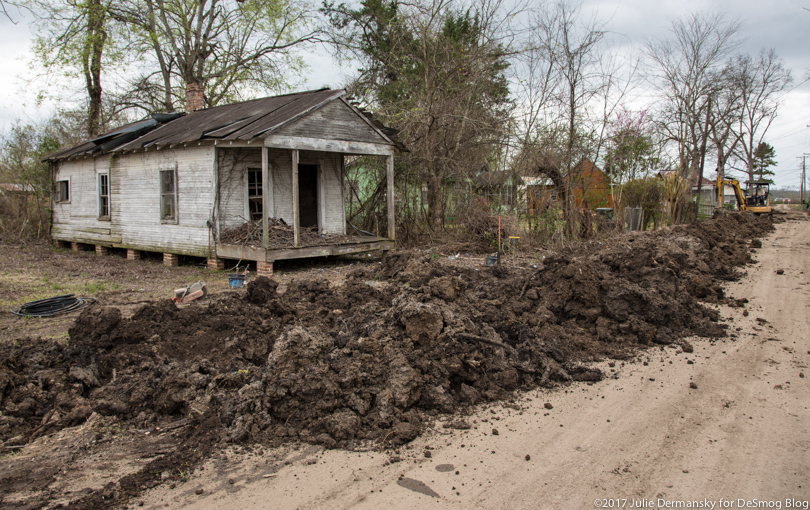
(392, 217)
(265, 200)
(296, 232)
(215, 211)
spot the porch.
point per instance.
(357, 244)
(303, 194)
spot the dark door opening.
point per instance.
(307, 196)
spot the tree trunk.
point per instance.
(434, 191)
(703, 142)
(751, 168)
(92, 52)
(152, 31)
(721, 174)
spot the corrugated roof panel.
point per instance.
(129, 128)
(107, 141)
(221, 132)
(76, 150)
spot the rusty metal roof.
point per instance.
(236, 122)
(108, 141)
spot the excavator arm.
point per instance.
(738, 194)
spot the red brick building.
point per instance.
(590, 187)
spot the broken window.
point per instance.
(255, 205)
(103, 197)
(168, 195)
(64, 191)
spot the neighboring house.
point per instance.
(175, 182)
(498, 188)
(540, 193)
(708, 192)
(16, 189)
(590, 187)
(16, 198)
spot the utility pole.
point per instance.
(804, 170)
(803, 157)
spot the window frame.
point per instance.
(59, 198)
(255, 198)
(166, 194)
(103, 199)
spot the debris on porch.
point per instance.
(280, 235)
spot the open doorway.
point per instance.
(307, 196)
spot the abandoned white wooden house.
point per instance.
(180, 183)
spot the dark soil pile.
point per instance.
(372, 358)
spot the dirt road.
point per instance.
(726, 426)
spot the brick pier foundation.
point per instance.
(264, 269)
(216, 264)
(171, 260)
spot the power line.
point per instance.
(801, 144)
(790, 133)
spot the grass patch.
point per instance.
(23, 288)
(94, 287)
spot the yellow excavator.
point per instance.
(755, 198)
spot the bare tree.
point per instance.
(574, 55)
(570, 86)
(686, 67)
(724, 112)
(760, 80)
(4, 7)
(536, 78)
(229, 47)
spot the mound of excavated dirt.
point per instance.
(372, 358)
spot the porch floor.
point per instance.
(344, 246)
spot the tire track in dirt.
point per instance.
(744, 432)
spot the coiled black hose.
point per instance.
(49, 307)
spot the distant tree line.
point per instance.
(474, 89)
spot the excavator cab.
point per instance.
(757, 193)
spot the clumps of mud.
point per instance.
(372, 359)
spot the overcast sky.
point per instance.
(779, 24)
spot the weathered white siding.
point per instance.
(135, 201)
(232, 166)
(135, 221)
(78, 219)
(281, 163)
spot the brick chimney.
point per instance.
(194, 97)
